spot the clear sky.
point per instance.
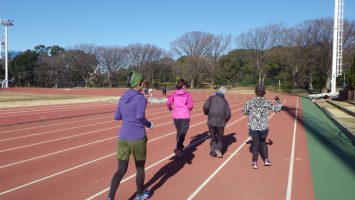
(159, 22)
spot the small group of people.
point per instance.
(132, 140)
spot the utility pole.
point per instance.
(6, 24)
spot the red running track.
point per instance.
(75, 158)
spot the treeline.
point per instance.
(299, 56)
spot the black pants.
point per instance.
(216, 134)
(259, 143)
(121, 171)
(181, 125)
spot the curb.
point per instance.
(350, 112)
(348, 133)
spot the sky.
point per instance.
(158, 22)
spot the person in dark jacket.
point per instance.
(218, 111)
(132, 138)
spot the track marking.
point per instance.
(77, 135)
(290, 174)
(220, 167)
(101, 158)
(133, 175)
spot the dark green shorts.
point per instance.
(138, 148)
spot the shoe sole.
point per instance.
(268, 164)
(219, 154)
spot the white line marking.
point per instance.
(290, 174)
(92, 161)
(220, 168)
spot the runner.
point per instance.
(180, 102)
(132, 138)
(218, 111)
(258, 111)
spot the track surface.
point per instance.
(74, 158)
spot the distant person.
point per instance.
(258, 111)
(150, 92)
(180, 102)
(132, 137)
(164, 91)
(218, 111)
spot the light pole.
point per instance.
(337, 43)
(6, 24)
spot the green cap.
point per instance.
(136, 78)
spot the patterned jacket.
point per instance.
(258, 111)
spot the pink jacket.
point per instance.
(182, 104)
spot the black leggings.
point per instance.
(181, 125)
(121, 171)
(259, 144)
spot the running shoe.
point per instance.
(218, 153)
(254, 165)
(267, 162)
(146, 194)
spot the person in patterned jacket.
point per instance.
(258, 111)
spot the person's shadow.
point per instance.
(175, 164)
(227, 141)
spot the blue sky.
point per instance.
(159, 22)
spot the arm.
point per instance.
(275, 107)
(228, 112)
(246, 109)
(118, 114)
(140, 115)
(170, 101)
(190, 103)
(206, 106)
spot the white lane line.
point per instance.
(290, 172)
(220, 167)
(56, 174)
(84, 164)
(75, 127)
(133, 175)
(25, 113)
(53, 153)
(111, 116)
(72, 136)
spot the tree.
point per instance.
(111, 60)
(353, 73)
(258, 41)
(84, 64)
(219, 46)
(193, 46)
(23, 66)
(145, 58)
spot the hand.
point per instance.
(277, 98)
(151, 125)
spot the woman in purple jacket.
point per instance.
(180, 102)
(132, 138)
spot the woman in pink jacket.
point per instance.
(180, 102)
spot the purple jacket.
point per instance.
(182, 104)
(131, 109)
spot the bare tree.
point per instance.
(193, 46)
(110, 60)
(259, 40)
(220, 45)
(82, 63)
(144, 58)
